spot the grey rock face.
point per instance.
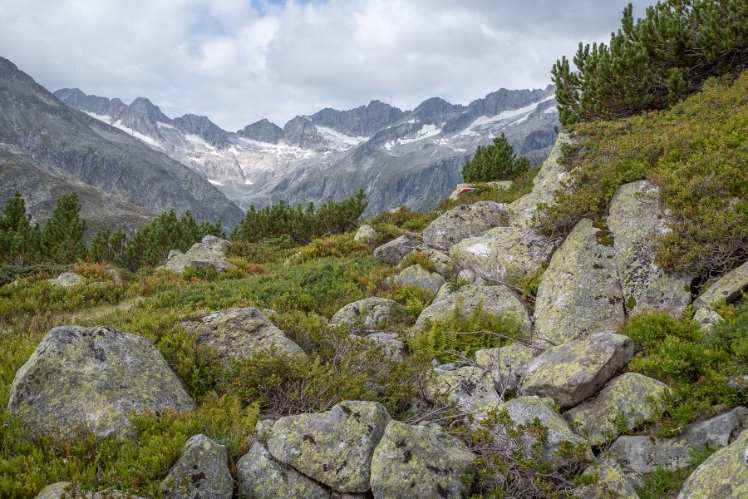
(723, 475)
(494, 300)
(143, 117)
(463, 222)
(580, 293)
(361, 121)
(334, 448)
(372, 313)
(419, 462)
(93, 377)
(202, 471)
(262, 131)
(611, 482)
(99, 105)
(301, 132)
(67, 280)
(727, 288)
(210, 253)
(421, 278)
(442, 263)
(571, 372)
(394, 251)
(204, 128)
(470, 388)
(240, 332)
(365, 234)
(637, 217)
(643, 454)
(259, 476)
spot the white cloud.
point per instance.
(239, 61)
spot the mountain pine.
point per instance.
(20, 243)
(62, 236)
(495, 162)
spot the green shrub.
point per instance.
(485, 192)
(403, 218)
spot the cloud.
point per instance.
(240, 61)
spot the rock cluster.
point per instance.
(208, 254)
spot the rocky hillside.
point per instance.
(411, 158)
(48, 148)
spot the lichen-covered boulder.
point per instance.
(571, 372)
(240, 332)
(390, 343)
(524, 410)
(494, 300)
(259, 476)
(365, 234)
(515, 355)
(643, 454)
(335, 447)
(550, 178)
(637, 218)
(93, 378)
(727, 288)
(442, 263)
(707, 318)
(723, 475)
(417, 276)
(59, 491)
(210, 253)
(579, 295)
(470, 388)
(372, 313)
(503, 253)
(635, 397)
(202, 471)
(419, 462)
(67, 280)
(394, 251)
(611, 482)
(463, 222)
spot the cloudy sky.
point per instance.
(238, 61)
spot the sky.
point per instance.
(238, 61)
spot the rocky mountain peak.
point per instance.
(362, 121)
(101, 106)
(434, 111)
(301, 132)
(143, 117)
(204, 128)
(262, 131)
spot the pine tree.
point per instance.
(20, 243)
(654, 62)
(495, 162)
(62, 236)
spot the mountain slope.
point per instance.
(92, 153)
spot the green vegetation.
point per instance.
(654, 62)
(663, 482)
(495, 162)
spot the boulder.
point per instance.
(727, 288)
(372, 313)
(551, 177)
(515, 355)
(579, 295)
(611, 482)
(494, 300)
(202, 471)
(58, 491)
(503, 254)
(210, 253)
(470, 388)
(419, 277)
(441, 262)
(524, 411)
(637, 218)
(460, 188)
(419, 462)
(94, 378)
(391, 344)
(443, 293)
(240, 332)
(365, 234)
(571, 372)
(335, 447)
(723, 475)
(471, 277)
(463, 222)
(643, 454)
(67, 280)
(394, 251)
(707, 318)
(259, 476)
(633, 396)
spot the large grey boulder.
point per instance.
(389, 342)
(419, 462)
(442, 263)
(611, 482)
(524, 411)
(580, 294)
(506, 364)
(59, 491)
(394, 251)
(727, 288)
(202, 471)
(550, 178)
(417, 276)
(372, 313)
(335, 447)
(93, 378)
(365, 234)
(463, 222)
(259, 476)
(643, 454)
(210, 253)
(571, 372)
(67, 280)
(634, 396)
(637, 218)
(503, 254)
(471, 389)
(241, 332)
(723, 475)
(494, 300)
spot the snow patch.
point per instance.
(503, 116)
(101, 117)
(215, 182)
(342, 141)
(165, 125)
(144, 138)
(424, 133)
